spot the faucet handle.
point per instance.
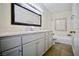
(72, 32)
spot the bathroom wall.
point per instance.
(61, 36)
(5, 20)
(67, 15)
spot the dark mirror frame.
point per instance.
(19, 23)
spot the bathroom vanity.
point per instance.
(31, 43)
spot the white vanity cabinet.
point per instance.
(34, 48)
(48, 40)
(9, 42)
(10, 45)
(27, 44)
(40, 49)
(29, 49)
(33, 44)
(13, 52)
(30, 37)
(46, 44)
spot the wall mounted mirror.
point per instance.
(21, 15)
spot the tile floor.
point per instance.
(60, 49)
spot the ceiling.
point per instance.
(58, 7)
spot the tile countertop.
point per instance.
(20, 33)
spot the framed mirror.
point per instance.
(21, 15)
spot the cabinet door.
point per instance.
(46, 43)
(10, 42)
(29, 49)
(13, 52)
(50, 40)
(40, 47)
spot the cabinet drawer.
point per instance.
(31, 37)
(10, 42)
(13, 52)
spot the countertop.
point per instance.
(20, 33)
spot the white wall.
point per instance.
(62, 35)
(66, 14)
(5, 20)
